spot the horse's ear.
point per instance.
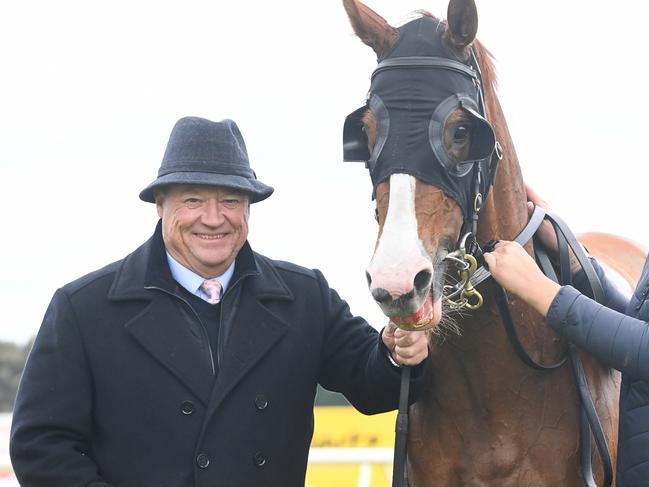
(462, 18)
(370, 27)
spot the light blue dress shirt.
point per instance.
(192, 281)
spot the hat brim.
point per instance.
(257, 190)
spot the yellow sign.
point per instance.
(348, 476)
(344, 427)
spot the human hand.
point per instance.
(406, 347)
(515, 270)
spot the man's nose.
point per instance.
(212, 215)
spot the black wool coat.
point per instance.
(122, 389)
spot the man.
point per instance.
(194, 361)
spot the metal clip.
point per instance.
(462, 294)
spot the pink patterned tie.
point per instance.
(212, 288)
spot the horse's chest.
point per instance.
(488, 423)
(504, 460)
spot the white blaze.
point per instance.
(400, 253)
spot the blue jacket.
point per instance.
(121, 387)
(618, 335)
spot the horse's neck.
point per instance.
(504, 216)
(505, 212)
(479, 369)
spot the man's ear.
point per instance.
(248, 207)
(159, 199)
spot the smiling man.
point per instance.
(194, 360)
(203, 227)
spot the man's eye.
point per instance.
(192, 201)
(231, 202)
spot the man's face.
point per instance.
(203, 227)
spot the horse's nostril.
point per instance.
(369, 279)
(380, 295)
(422, 280)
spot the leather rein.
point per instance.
(590, 425)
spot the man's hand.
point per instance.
(406, 347)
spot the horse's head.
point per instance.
(429, 148)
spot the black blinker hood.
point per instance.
(414, 89)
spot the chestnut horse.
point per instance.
(428, 134)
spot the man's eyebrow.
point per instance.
(234, 192)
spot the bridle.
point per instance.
(469, 183)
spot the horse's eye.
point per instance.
(461, 133)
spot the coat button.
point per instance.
(202, 460)
(261, 402)
(259, 459)
(187, 407)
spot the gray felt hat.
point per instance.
(209, 153)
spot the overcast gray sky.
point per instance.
(90, 91)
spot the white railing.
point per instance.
(365, 457)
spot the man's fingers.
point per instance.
(406, 338)
(390, 329)
(409, 356)
(408, 352)
(388, 336)
(411, 347)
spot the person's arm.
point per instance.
(613, 298)
(51, 430)
(612, 337)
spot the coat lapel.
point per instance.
(253, 332)
(164, 328)
(175, 340)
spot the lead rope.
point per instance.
(589, 421)
(399, 469)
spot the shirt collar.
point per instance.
(192, 281)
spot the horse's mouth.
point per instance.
(426, 317)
